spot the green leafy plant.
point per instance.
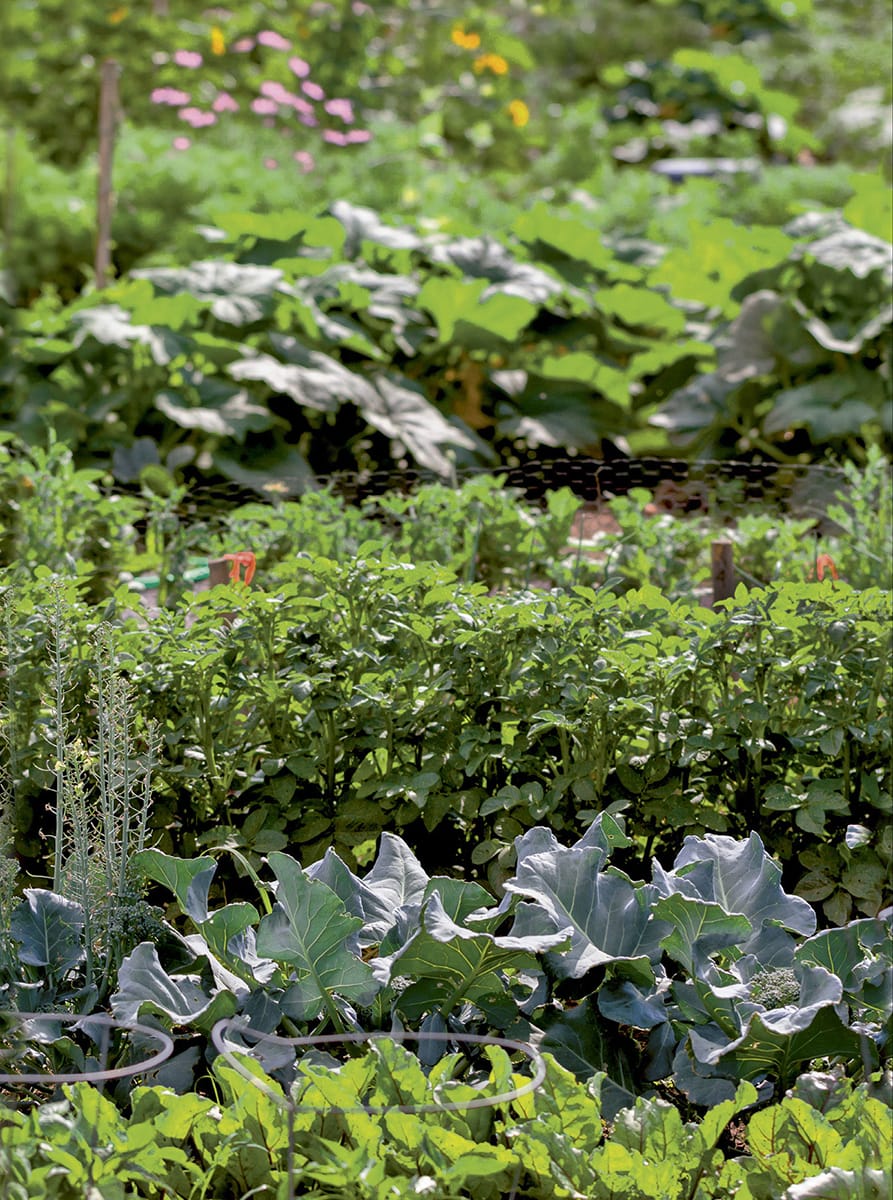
(826, 1134)
(708, 975)
(801, 368)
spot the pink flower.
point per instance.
(181, 143)
(243, 45)
(275, 91)
(223, 102)
(298, 103)
(359, 8)
(274, 40)
(308, 119)
(354, 136)
(169, 95)
(271, 164)
(264, 107)
(196, 118)
(340, 108)
(187, 58)
(334, 137)
(300, 67)
(304, 159)
(313, 90)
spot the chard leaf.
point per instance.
(715, 1120)
(308, 929)
(398, 1075)
(145, 987)
(50, 931)
(652, 1128)
(837, 1183)
(264, 1119)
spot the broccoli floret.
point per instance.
(775, 988)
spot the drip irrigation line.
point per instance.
(228, 1052)
(101, 1076)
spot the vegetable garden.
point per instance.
(445, 605)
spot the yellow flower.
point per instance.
(465, 41)
(491, 62)
(218, 45)
(520, 113)
(118, 15)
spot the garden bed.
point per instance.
(391, 784)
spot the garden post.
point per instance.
(8, 213)
(108, 116)
(722, 571)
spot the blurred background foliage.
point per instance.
(457, 119)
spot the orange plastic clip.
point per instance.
(823, 563)
(243, 559)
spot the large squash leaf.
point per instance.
(237, 293)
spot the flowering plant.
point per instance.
(285, 98)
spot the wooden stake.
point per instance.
(722, 567)
(105, 199)
(218, 571)
(9, 214)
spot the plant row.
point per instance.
(826, 1139)
(707, 975)
(69, 520)
(377, 695)
(314, 342)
